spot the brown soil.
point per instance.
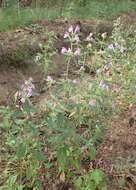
(119, 147)
(11, 77)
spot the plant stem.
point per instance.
(69, 59)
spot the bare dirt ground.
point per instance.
(119, 147)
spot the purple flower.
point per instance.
(122, 49)
(77, 52)
(103, 85)
(30, 92)
(111, 47)
(64, 50)
(70, 29)
(77, 29)
(66, 35)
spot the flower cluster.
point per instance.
(73, 36)
(26, 91)
(106, 68)
(72, 30)
(117, 46)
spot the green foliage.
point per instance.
(45, 58)
(92, 181)
(14, 16)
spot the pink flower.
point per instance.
(22, 100)
(77, 52)
(70, 29)
(64, 50)
(49, 79)
(77, 29)
(66, 35)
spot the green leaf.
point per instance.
(97, 176)
(21, 151)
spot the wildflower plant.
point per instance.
(79, 50)
(70, 129)
(48, 51)
(26, 91)
(74, 50)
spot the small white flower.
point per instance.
(82, 68)
(49, 79)
(104, 35)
